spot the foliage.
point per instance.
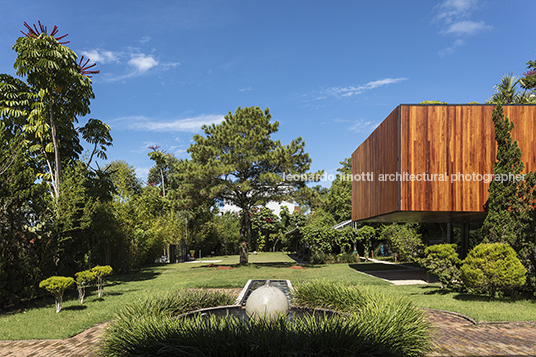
(265, 229)
(311, 198)
(492, 268)
(97, 133)
(56, 91)
(339, 198)
(432, 102)
(366, 235)
(26, 254)
(443, 261)
(508, 93)
(238, 162)
(150, 327)
(510, 201)
(57, 285)
(397, 323)
(529, 81)
(227, 229)
(404, 240)
(101, 272)
(83, 278)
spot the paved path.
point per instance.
(454, 335)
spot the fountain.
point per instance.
(263, 299)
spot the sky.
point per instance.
(330, 71)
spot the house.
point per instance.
(434, 163)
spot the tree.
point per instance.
(97, 133)
(339, 197)
(509, 203)
(311, 198)
(238, 162)
(529, 81)
(508, 93)
(57, 90)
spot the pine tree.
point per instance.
(510, 202)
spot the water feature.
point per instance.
(238, 310)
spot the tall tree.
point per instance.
(56, 92)
(510, 201)
(238, 162)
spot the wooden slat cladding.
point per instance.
(378, 153)
(438, 143)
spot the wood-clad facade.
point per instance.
(433, 163)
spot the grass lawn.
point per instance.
(38, 319)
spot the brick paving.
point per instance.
(454, 335)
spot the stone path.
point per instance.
(454, 335)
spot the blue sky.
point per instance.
(330, 71)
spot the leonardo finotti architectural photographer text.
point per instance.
(406, 176)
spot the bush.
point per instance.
(101, 272)
(442, 261)
(378, 325)
(490, 268)
(319, 258)
(57, 285)
(83, 278)
(403, 240)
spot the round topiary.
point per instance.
(101, 271)
(494, 267)
(57, 285)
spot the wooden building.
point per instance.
(433, 163)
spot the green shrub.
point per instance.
(101, 271)
(319, 258)
(378, 325)
(443, 261)
(490, 268)
(404, 240)
(57, 285)
(83, 278)
(385, 320)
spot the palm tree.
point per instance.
(507, 92)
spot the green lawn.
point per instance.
(38, 320)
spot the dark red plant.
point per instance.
(530, 72)
(83, 68)
(35, 32)
(154, 147)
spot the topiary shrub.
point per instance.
(57, 285)
(83, 278)
(101, 271)
(443, 261)
(490, 268)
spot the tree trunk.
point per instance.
(57, 161)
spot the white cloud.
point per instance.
(355, 90)
(364, 126)
(453, 16)
(466, 28)
(142, 63)
(451, 49)
(450, 10)
(142, 123)
(145, 39)
(101, 56)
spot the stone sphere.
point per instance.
(267, 302)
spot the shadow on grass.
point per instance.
(375, 267)
(75, 307)
(259, 265)
(142, 275)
